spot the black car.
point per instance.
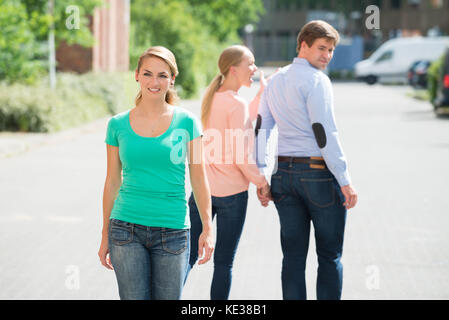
(417, 74)
(441, 100)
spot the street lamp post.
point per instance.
(249, 28)
(51, 46)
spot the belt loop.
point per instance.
(290, 164)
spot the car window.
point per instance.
(385, 56)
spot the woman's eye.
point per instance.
(146, 74)
(163, 76)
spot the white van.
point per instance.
(391, 61)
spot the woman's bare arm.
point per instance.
(111, 187)
(201, 192)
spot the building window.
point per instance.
(283, 5)
(414, 3)
(396, 4)
(299, 4)
(385, 57)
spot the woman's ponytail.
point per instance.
(208, 97)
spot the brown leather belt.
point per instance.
(315, 162)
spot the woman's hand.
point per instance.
(103, 254)
(205, 246)
(264, 195)
(264, 82)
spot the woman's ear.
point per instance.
(232, 70)
(172, 82)
(137, 75)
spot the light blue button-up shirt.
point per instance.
(296, 97)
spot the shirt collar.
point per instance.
(302, 61)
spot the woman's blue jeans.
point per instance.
(149, 262)
(230, 212)
(303, 195)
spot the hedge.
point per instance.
(77, 99)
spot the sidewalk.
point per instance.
(16, 143)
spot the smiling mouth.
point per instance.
(154, 90)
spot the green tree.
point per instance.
(17, 44)
(40, 20)
(224, 18)
(195, 30)
(25, 25)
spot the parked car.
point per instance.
(417, 74)
(440, 100)
(391, 61)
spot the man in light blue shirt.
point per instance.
(312, 182)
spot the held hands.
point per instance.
(264, 195)
(350, 196)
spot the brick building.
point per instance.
(110, 27)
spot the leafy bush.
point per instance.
(434, 74)
(17, 45)
(76, 100)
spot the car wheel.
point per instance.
(371, 80)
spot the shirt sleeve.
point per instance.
(267, 123)
(111, 133)
(243, 144)
(321, 112)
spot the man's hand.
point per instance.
(350, 196)
(264, 195)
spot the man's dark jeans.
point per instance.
(301, 195)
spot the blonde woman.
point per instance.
(224, 114)
(146, 236)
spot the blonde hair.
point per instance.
(163, 53)
(231, 56)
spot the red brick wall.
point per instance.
(110, 27)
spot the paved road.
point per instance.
(396, 238)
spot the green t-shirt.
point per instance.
(153, 188)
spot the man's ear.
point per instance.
(304, 45)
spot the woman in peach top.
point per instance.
(229, 137)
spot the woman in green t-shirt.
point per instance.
(146, 226)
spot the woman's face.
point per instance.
(154, 78)
(245, 70)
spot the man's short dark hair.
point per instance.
(314, 30)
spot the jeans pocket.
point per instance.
(276, 188)
(225, 202)
(175, 241)
(120, 232)
(320, 192)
